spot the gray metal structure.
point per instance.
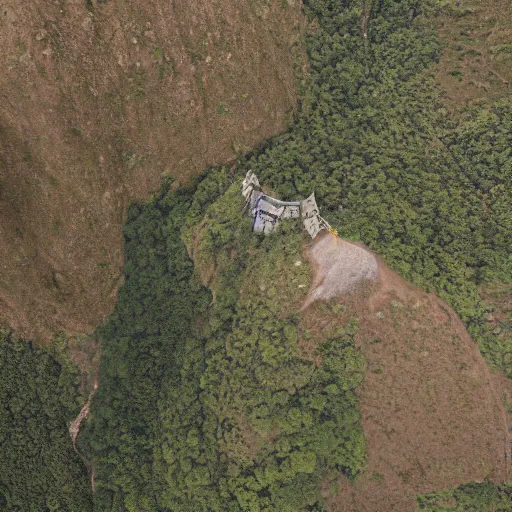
(268, 211)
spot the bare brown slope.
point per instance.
(98, 100)
(432, 415)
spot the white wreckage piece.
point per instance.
(249, 184)
(267, 211)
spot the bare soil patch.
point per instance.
(432, 413)
(98, 100)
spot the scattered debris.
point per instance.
(268, 211)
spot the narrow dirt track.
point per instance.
(74, 430)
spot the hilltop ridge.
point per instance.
(430, 407)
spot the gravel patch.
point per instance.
(339, 267)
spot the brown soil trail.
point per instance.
(74, 426)
(74, 430)
(85, 352)
(432, 413)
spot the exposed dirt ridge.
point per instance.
(74, 426)
(340, 267)
(432, 413)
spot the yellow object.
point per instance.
(333, 231)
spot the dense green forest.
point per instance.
(206, 402)
(428, 191)
(39, 470)
(214, 407)
(484, 497)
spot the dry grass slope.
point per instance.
(477, 59)
(98, 100)
(432, 413)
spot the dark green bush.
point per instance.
(39, 470)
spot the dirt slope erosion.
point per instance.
(98, 100)
(432, 413)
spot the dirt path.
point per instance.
(74, 427)
(74, 430)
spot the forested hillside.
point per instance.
(39, 471)
(390, 167)
(208, 400)
(215, 404)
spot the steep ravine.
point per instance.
(74, 430)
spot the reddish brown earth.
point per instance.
(98, 100)
(432, 413)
